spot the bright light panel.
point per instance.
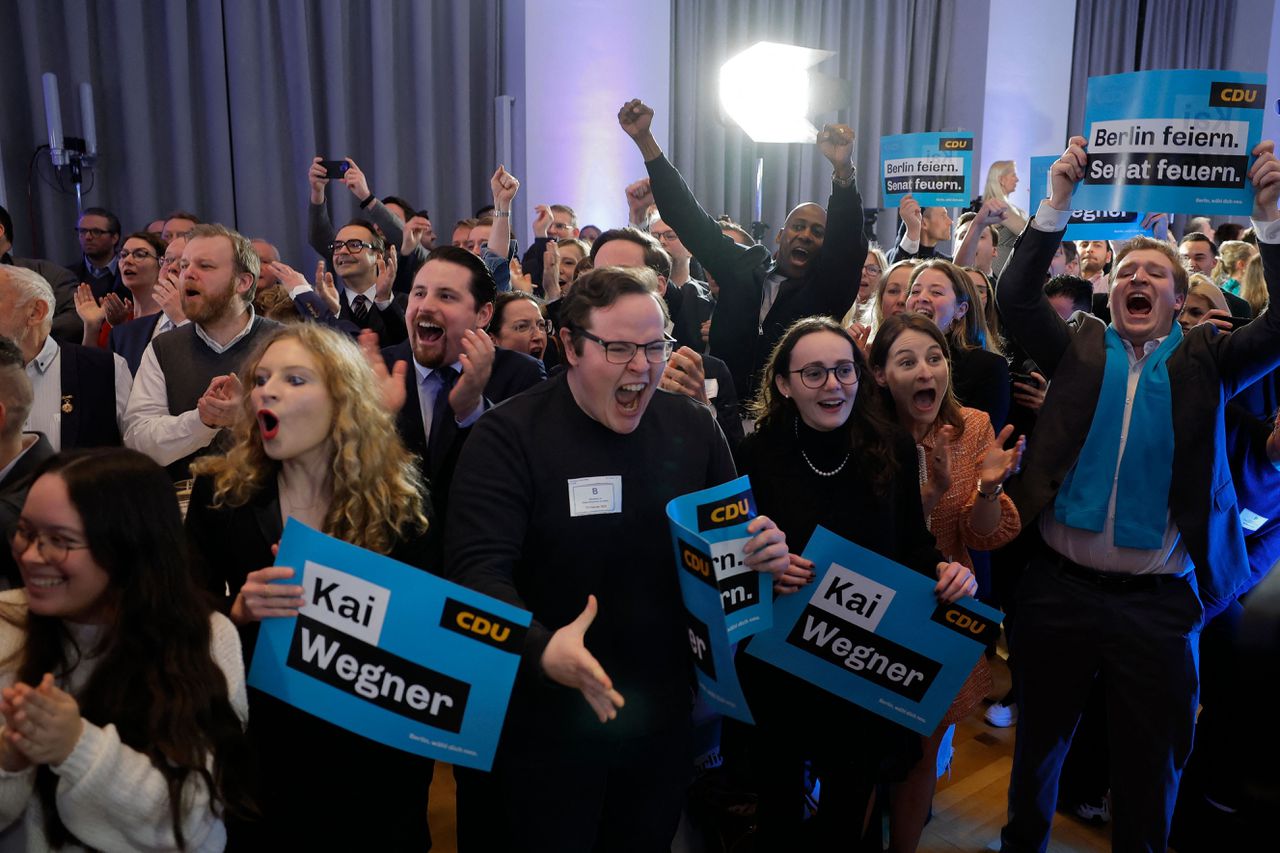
(765, 89)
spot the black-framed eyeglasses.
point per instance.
(525, 327)
(622, 352)
(136, 254)
(352, 246)
(53, 547)
(92, 232)
(815, 375)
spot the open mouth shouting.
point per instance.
(799, 255)
(924, 400)
(268, 424)
(629, 396)
(1138, 304)
(427, 332)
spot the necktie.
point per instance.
(440, 409)
(360, 308)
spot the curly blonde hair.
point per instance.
(377, 490)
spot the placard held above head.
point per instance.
(935, 168)
(1176, 141)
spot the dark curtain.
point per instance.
(893, 52)
(1117, 36)
(218, 106)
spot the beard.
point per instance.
(210, 307)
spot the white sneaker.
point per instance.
(1001, 716)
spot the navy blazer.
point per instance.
(387, 322)
(1207, 368)
(129, 340)
(88, 397)
(513, 372)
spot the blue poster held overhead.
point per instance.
(725, 601)
(872, 632)
(934, 168)
(1086, 224)
(1175, 141)
(391, 652)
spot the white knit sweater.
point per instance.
(110, 795)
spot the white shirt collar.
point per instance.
(47, 355)
(221, 348)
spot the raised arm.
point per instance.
(1028, 317)
(700, 233)
(504, 186)
(836, 269)
(319, 226)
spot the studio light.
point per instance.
(767, 90)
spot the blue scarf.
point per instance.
(1142, 493)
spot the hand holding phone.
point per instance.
(334, 170)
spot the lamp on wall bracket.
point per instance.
(71, 156)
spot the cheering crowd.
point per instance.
(1082, 434)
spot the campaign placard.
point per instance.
(725, 601)
(391, 652)
(935, 168)
(1176, 141)
(872, 632)
(1085, 224)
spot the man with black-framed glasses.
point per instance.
(558, 506)
(366, 271)
(98, 231)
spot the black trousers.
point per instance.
(621, 795)
(1144, 643)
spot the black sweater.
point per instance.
(510, 535)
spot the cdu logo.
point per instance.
(1250, 96)
(955, 144)
(722, 513)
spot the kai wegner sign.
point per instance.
(933, 167)
(1177, 141)
(871, 631)
(724, 600)
(391, 652)
(1085, 224)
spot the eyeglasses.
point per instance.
(622, 352)
(524, 327)
(352, 246)
(815, 375)
(871, 270)
(136, 254)
(52, 547)
(560, 226)
(664, 236)
(167, 261)
(95, 233)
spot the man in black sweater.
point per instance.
(761, 296)
(577, 473)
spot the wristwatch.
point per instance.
(992, 496)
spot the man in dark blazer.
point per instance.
(98, 231)
(1133, 558)
(815, 271)
(365, 275)
(21, 453)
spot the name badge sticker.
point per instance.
(1250, 520)
(595, 495)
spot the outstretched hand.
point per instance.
(1067, 171)
(835, 141)
(566, 661)
(1265, 174)
(999, 464)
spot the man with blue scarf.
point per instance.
(1127, 481)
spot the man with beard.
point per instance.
(186, 390)
(761, 296)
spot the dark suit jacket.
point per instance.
(13, 494)
(129, 340)
(89, 397)
(387, 322)
(513, 372)
(1205, 369)
(66, 322)
(689, 305)
(737, 335)
(101, 285)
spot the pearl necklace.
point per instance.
(812, 467)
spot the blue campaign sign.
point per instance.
(1086, 224)
(391, 652)
(1176, 141)
(724, 600)
(872, 632)
(934, 168)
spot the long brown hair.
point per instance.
(893, 328)
(970, 332)
(154, 679)
(867, 429)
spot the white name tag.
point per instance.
(595, 496)
(712, 386)
(1250, 520)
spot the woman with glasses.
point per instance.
(962, 467)
(822, 455)
(314, 443)
(123, 693)
(139, 263)
(518, 324)
(157, 307)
